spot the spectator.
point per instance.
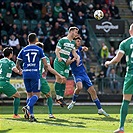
(29, 11)
(105, 9)
(66, 4)
(114, 11)
(90, 11)
(23, 40)
(111, 53)
(61, 19)
(14, 30)
(8, 19)
(46, 9)
(80, 19)
(13, 10)
(66, 27)
(4, 41)
(114, 83)
(81, 6)
(57, 9)
(14, 43)
(92, 75)
(24, 30)
(104, 53)
(40, 32)
(70, 16)
(57, 31)
(84, 33)
(100, 81)
(2, 22)
(50, 18)
(48, 29)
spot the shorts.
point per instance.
(61, 68)
(84, 79)
(128, 84)
(32, 85)
(45, 89)
(7, 88)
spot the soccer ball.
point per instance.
(98, 14)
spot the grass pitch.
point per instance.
(81, 119)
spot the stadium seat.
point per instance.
(38, 14)
(21, 14)
(3, 11)
(33, 24)
(25, 21)
(3, 32)
(17, 22)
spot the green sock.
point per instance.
(62, 89)
(50, 104)
(16, 104)
(57, 88)
(123, 112)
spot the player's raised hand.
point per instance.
(60, 59)
(85, 48)
(107, 63)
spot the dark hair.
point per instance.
(78, 37)
(32, 37)
(7, 51)
(41, 45)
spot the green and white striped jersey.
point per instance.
(66, 47)
(41, 65)
(6, 67)
(126, 47)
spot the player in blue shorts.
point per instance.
(30, 56)
(81, 78)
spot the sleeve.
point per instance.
(20, 57)
(122, 47)
(59, 44)
(80, 48)
(13, 65)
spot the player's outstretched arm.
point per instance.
(84, 48)
(69, 61)
(17, 71)
(18, 62)
(76, 56)
(115, 60)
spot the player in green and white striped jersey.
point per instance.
(64, 47)
(126, 47)
(6, 68)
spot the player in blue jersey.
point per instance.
(30, 56)
(81, 78)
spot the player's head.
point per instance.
(73, 31)
(8, 52)
(32, 38)
(39, 44)
(78, 40)
(131, 29)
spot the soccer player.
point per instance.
(81, 78)
(31, 55)
(6, 68)
(45, 89)
(126, 47)
(64, 46)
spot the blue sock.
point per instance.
(74, 98)
(97, 102)
(31, 110)
(32, 100)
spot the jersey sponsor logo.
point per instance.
(69, 45)
(64, 52)
(30, 70)
(31, 64)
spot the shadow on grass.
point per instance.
(98, 118)
(5, 131)
(63, 122)
(55, 122)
